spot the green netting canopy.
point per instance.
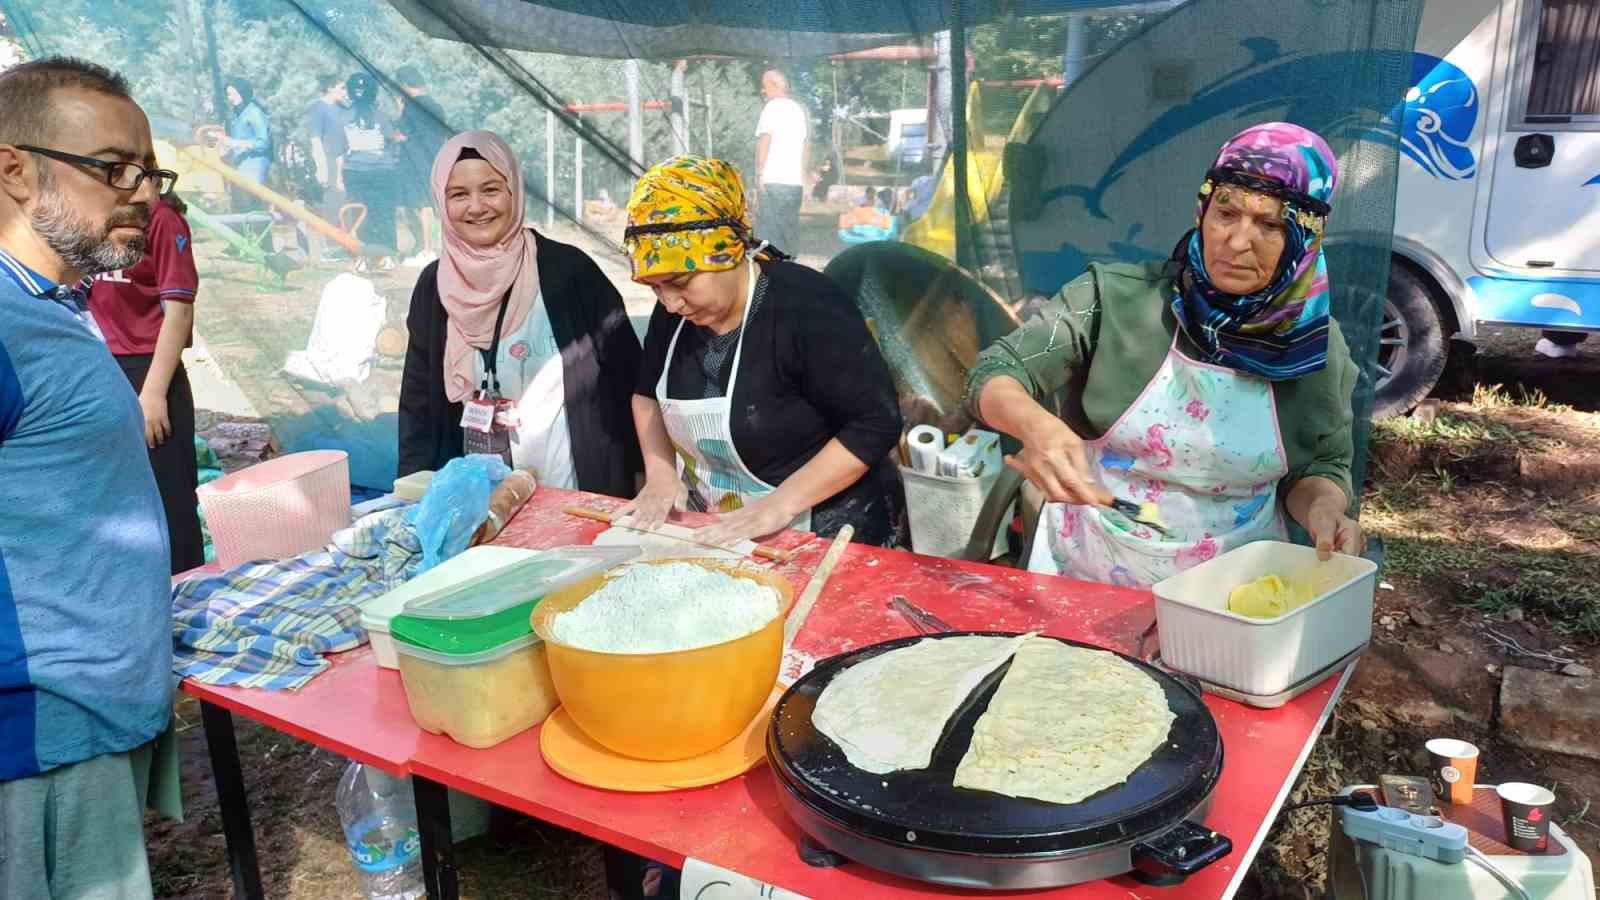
(1011, 142)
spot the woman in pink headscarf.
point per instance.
(520, 346)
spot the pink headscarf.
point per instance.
(473, 279)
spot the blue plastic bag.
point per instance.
(455, 505)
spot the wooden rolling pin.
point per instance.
(819, 578)
(600, 515)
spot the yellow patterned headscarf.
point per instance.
(687, 214)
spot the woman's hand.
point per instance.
(1320, 506)
(1331, 530)
(1053, 459)
(653, 505)
(759, 519)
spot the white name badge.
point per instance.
(477, 415)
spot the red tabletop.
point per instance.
(360, 710)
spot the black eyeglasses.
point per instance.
(124, 176)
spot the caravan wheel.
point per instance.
(1412, 346)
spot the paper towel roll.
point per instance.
(924, 443)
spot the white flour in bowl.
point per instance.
(662, 608)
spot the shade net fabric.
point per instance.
(1087, 128)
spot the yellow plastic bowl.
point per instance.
(665, 706)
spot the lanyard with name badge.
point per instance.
(489, 421)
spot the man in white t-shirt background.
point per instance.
(781, 149)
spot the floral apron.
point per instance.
(702, 436)
(1202, 443)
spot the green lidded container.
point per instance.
(470, 663)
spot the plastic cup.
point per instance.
(1526, 809)
(1453, 769)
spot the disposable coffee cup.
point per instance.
(1526, 808)
(1453, 769)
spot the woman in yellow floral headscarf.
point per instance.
(762, 396)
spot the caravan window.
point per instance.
(1565, 72)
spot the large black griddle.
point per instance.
(920, 825)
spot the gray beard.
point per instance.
(81, 248)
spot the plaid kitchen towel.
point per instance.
(268, 624)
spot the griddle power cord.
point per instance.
(1514, 885)
(1358, 800)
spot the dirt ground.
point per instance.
(1488, 505)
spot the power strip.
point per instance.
(1429, 837)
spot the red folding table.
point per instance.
(359, 710)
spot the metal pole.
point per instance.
(680, 109)
(709, 152)
(630, 78)
(1073, 63)
(958, 135)
(939, 122)
(549, 169)
(577, 174)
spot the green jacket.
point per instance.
(1091, 350)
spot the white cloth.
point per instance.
(349, 317)
(528, 365)
(701, 432)
(785, 121)
(1202, 443)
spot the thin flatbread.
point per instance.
(888, 712)
(1066, 723)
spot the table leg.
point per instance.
(438, 850)
(231, 801)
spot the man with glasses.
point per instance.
(85, 615)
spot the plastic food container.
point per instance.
(469, 567)
(413, 486)
(470, 663)
(666, 706)
(1199, 636)
(277, 509)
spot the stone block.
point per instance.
(1423, 686)
(1548, 711)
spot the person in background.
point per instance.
(248, 147)
(528, 327)
(423, 131)
(795, 434)
(85, 588)
(146, 313)
(1560, 344)
(782, 143)
(371, 169)
(325, 124)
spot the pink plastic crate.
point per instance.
(280, 508)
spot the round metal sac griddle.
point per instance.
(918, 824)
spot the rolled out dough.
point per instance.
(887, 713)
(1066, 723)
(668, 540)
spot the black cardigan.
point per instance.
(599, 365)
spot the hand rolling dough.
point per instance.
(888, 712)
(1066, 723)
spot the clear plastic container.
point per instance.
(478, 582)
(478, 699)
(474, 563)
(471, 665)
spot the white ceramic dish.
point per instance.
(1199, 636)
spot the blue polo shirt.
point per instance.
(85, 592)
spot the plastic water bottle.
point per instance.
(380, 828)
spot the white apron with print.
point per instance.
(1202, 443)
(702, 435)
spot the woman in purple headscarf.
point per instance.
(1214, 386)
